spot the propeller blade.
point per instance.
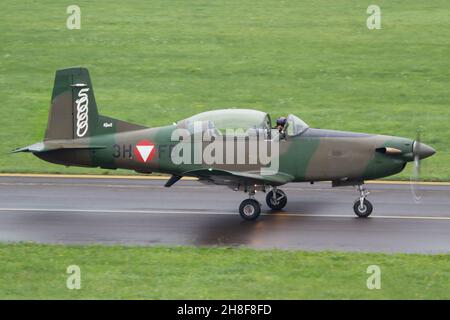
(415, 188)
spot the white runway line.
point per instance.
(191, 212)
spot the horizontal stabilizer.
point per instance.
(55, 145)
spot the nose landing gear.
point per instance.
(362, 207)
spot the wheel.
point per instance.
(365, 210)
(279, 203)
(249, 209)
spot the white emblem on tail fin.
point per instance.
(82, 112)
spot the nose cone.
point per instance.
(422, 150)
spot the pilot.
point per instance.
(281, 122)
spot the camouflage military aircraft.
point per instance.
(77, 135)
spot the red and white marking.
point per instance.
(144, 151)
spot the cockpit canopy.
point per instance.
(295, 126)
(229, 121)
(239, 122)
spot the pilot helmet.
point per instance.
(281, 121)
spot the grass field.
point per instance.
(39, 271)
(155, 62)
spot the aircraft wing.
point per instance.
(225, 177)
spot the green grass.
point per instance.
(155, 62)
(112, 272)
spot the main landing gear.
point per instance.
(276, 199)
(250, 208)
(362, 207)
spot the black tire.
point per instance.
(365, 211)
(250, 209)
(281, 202)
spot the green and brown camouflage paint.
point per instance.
(313, 155)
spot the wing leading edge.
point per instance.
(225, 177)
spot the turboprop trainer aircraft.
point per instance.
(233, 147)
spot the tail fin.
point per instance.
(73, 112)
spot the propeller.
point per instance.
(419, 152)
(415, 178)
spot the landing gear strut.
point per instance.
(362, 207)
(276, 199)
(250, 209)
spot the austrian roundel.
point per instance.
(144, 151)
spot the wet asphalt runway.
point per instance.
(143, 212)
